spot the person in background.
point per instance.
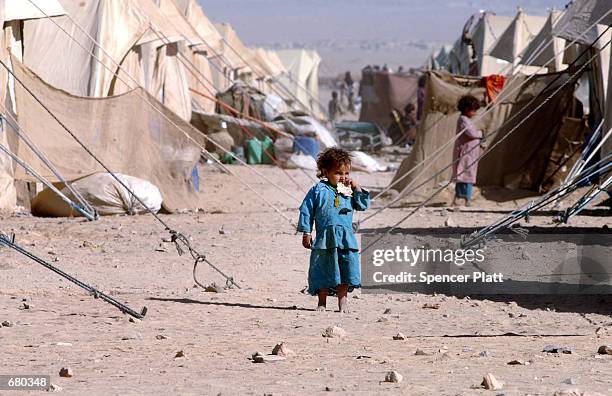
(350, 94)
(421, 97)
(466, 150)
(334, 108)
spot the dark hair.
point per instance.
(422, 81)
(330, 158)
(468, 103)
(334, 94)
(409, 108)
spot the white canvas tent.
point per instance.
(302, 77)
(515, 39)
(483, 33)
(545, 46)
(142, 36)
(12, 13)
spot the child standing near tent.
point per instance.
(466, 150)
(329, 205)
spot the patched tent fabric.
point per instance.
(520, 161)
(127, 135)
(382, 92)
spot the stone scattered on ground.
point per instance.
(334, 332)
(491, 383)
(281, 350)
(394, 377)
(399, 336)
(66, 372)
(557, 349)
(605, 350)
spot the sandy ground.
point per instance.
(218, 332)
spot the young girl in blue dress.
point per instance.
(334, 256)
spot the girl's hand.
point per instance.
(353, 184)
(307, 241)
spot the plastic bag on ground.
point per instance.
(363, 162)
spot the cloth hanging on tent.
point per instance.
(493, 85)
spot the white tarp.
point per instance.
(487, 31)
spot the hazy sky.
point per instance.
(309, 21)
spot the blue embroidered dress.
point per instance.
(334, 258)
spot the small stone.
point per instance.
(394, 377)
(491, 383)
(67, 344)
(449, 222)
(160, 248)
(258, 357)
(420, 352)
(54, 388)
(431, 306)
(134, 320)
(27, 306)
(570, 381)
(179, 354)
(382, 320)
(6, 323)
(485, 354)
(399, 336)
(66, 372)
(387, 311)
(601, 331)
(356, 296)
(161, 337)
(518, 363)
(334, 332)
(557, 349)
(214, 288)
(87, 244)
(605, 350)
(281, 350)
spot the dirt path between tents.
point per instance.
(462, 340)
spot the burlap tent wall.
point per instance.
(128, 136)
(521, 161)
(383, 92)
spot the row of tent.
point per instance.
(101, 68)
(536, 140)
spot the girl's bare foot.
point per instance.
(322, 293)
(343, 298)
(343, 305)
(467, 203)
